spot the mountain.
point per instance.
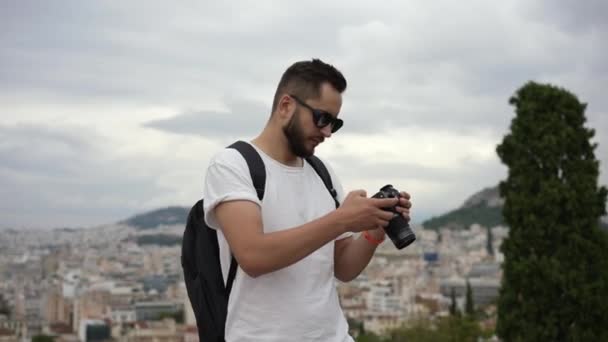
(159, 217)
(484, 208)
(488, 197)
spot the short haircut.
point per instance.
(304, 79)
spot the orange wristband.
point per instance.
(371, 239)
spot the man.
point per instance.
(292, 245)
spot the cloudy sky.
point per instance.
(108, 109)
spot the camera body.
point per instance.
(398, 229)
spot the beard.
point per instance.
(296, 138)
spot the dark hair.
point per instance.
(304, 79)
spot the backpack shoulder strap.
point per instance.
(255, 164)
(257, 170)
(322, 171)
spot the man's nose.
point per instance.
(327, 130)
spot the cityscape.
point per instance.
(103, 283)
(112, 113)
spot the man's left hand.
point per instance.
(404, 205)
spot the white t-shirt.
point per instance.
(298, 302)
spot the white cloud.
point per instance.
(117, 109)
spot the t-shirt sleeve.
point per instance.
(227, 179)
(339, 190)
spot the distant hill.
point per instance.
(484, 208)
(164, 216)
(488, 197)
(464, 217)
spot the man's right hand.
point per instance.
(359, 213)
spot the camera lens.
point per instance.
(398, 230)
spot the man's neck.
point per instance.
(274, 143)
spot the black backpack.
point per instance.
(200, 253)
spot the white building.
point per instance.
(382, 298)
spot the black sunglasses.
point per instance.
(321, 118)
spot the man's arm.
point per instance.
(259, 253)
(352, 255)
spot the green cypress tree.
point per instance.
(489, 241)
(555, 279)
(469, 306)
(453, 305)
(4, 308)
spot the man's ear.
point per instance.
(286, 107)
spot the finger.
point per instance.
(385, 215)
(384, 202)
(403, 210)
(382, 223)
(405, 194)
(406, 216)
(405, 203)
(360, 193)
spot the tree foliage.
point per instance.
(369, 337)
(449, 329)
(462, 218)
(4, 307)
(469, 306)
(489, 241)
(453, 304)
(43, 338)
(457, 328)
(555, 282)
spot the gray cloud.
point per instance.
(450, 188)
(436, 67)
(244, 118)
(101, 51)
(50, 175)
(571, 16)
(43, 150)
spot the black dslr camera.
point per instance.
(398, 228)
